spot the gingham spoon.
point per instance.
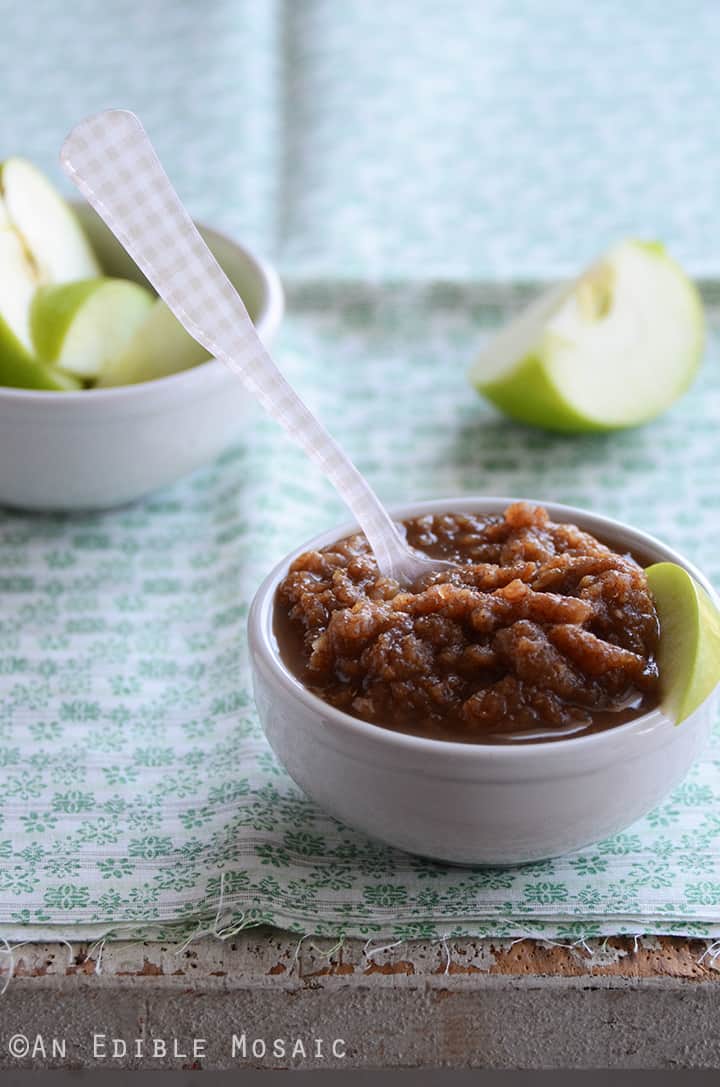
(112, 161)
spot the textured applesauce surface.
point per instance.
(541, 632)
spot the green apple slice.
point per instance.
(689, 647)
(80, 326)
(17, 285)
(21, 370)
(160, 347)
(613, 349)
(18, 367)
(52, 238)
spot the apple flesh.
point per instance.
(80, 326)
(40, 242)
(159, 347)
(613, 349)
(54, 242)
(17, 285)
(689, 648)
(18, 366)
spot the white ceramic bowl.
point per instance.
(472, 803)
(103, 447)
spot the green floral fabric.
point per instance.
(138, 791)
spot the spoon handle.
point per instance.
(112, 161)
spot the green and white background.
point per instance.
(415, 169)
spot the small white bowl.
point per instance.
(104, 447)
(472, 803)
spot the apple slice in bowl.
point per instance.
(689, 647)
(18, 365)
(82, 326)
(57, 248)
(41, 242)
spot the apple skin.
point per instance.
(689, 648)
(52, 311)
(20, 370)
(527, 386)
(532, 398)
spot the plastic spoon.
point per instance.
(112, 161)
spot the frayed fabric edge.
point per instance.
(593, 948)
(227, 922)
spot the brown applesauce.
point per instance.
(542, 632)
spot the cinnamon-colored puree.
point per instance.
(542, 632)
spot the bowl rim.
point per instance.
(267, 322)
(261, 643)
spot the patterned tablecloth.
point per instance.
(425, 146)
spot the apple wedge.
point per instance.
(54, 242)
(18, 366)
(80, 326)
(613, 349)
(159, 347)
(40, 242)
(689, 647)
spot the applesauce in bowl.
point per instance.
(497, 797)
(540, 632)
